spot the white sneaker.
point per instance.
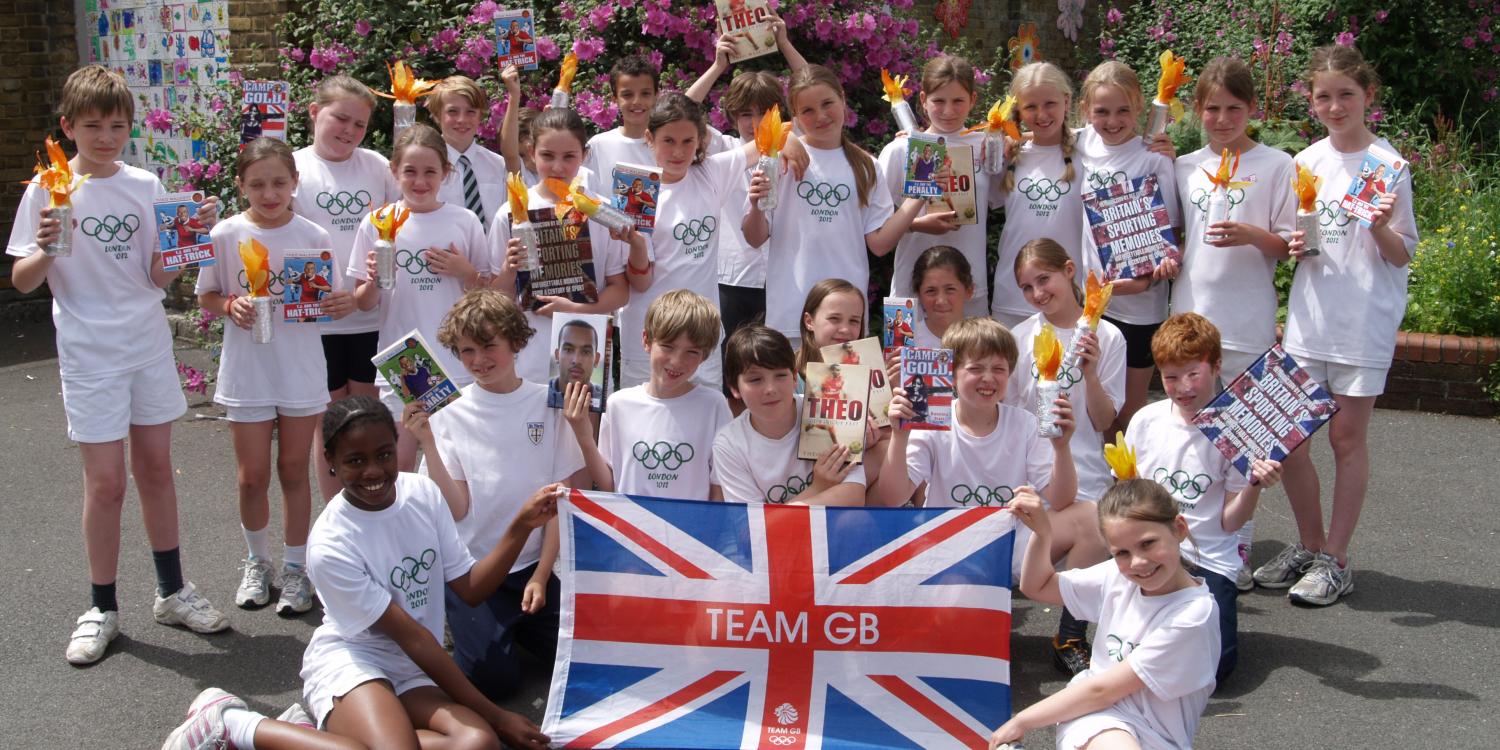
(1245, 580)
(94, 632)
(189, 609)
(1323, 583)
(294, 714)
(296, 590)
(255, 584)
(204, 728)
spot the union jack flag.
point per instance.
(721, 625)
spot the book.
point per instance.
(306, 277)
(926, 155)
(183, 242)
(748, 22)
(1265, 412)
(566, 257)
(1377, 174)
(956, 178)
(898, 324)
(263, 110)
(580, 351)
(1130, 228)
(414, 374)
(927, 378)
(866, 352)
(833, 410)
(515, 38)
(635, 189)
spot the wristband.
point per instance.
(229, 304)
(642, 272)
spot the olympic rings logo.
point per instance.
(981, 496)
(1101, 180)
(783, 739)
(822, 194)
(343, 202)
(413, 261)
(111, 228)
(413, 571)
(274, 282)
(1067, 378)
(696, 230)
(1044, 189)
(1188, 486)
(662, 455)
(1330, 214)
(1119, 648)
(781, 493)
(1200, 198)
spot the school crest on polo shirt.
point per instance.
(535, 431)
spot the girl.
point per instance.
(374, 673)
(338, 183)
(1152, 674)
(1110, 152)
(834, 313)
(1041, 193)
(825, 220)
(947, 97)
(440, 253)
(944, 285)
(1345, 306)
(275, 387)
(756, 454)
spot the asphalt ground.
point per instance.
(1411, 659)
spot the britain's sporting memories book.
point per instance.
(866, 352)
(926, 157)
(515, 38)
(748, 23)
(183, 242)
(898, 325)
(1380, 170)
(306, 278)
(927, 378)
(1266, 412)
(958, 186)
(635, 190)
(1131, 228)
(566, 260)
(580, 352)
(833, 410)
(414, 374)
(263, 111)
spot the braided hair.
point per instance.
(351, 411)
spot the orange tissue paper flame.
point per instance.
(565, 193)
(1306, 185)
(1223, 179)
(388, 220)
(1120, 457)
(57, 177)
(569, 69)
(516, 189)
(1047, 351)
(1095, 300)
(895, 88)
(405, 87)
(999, 119)
(1173, 76)
(257, 262)
(771, 133)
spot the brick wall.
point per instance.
(252, 35)
(993, 22)
(1444, 374)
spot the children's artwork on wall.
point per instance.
(953, 15)
(1025, 47)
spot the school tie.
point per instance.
(471, 190)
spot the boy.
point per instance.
(515, 129)
(500, 442)
(114, 350)
(657, 438)
(1210, 493)
(632, 83)
(477, 180)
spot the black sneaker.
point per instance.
(1071, 655)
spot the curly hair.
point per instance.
(484, 315)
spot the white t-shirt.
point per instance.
(663, 447)
(739, 263)
(289, 371)
(1040, 205)
(818, 232)
(1171, 642)
(753, 468)
(969, 239)
(1105, 165)
(489, 173)
(1180, 458)
(1087, 443)
(421, 297)
(1234, 287)
(362, 561)
(965, 470)
(505, 446)
(609, 148)
(105, 307)
(1347, 302)
(336, 195)
(925, 337)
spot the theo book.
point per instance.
(834, 406)
(306, 278)
(566, 260)
(866, 352)
(635, 189)
(183, 242)
(414, 374)
(748, 24)
(957, 182)
(1266, 412)
(927, 378)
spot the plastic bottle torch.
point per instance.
(1047, 352)
(1305, 185)
(520, 221)
(605, 215)
(1222, 181)
(560, 95)
(56, 177)
(1095, 299)
(895, 93)
(405, 90)
(997, 125)
(770, 137)
(1217, 211)
(387, 221)
(1166, 102)
(256, 260)
(261, 331)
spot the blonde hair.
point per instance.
(334, 88)
(463, 87)
(485, 315)
(95, 89)
(860, 161)
(1117, 74)
(1029, 77)
(808, 350)
(420, 135)
(682, 312)
(977, 338)
(1145, 500)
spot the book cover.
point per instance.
(515, 38)
(580, 352)
(263, 110)
(1130, 227)
(926, 155)
(956, 177)
(414, 374)
(927, 378)
(866, 352)
(183, 242)
(1266, 412)
(748, 23)
(834, 410)
(635, 190)
(567, 260)
(306, 277)
(898, 324)
(1379, 172)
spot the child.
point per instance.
(827, 218)
(337, 184)
(1111, 152)
(632, 82)
(1210, 493)
(756, 454)
(515, 129)
(374, 673)
(834, 313)
(477, 180)
(657, 438)
(947, 98)
(1152, 674)
(1345, 307)
(440, 253)
(115, 353)
(275, 387)
(1042, 195)
(944, 285)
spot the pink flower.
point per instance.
(1380, 15)
(599, 17)
(159, 120)
(1114, 16)
(1467, 42)
(588, 48)
(547, 48)
(877, 127)
(1344, 38)
(213, 171)
(484, 12)
(363, 27)
(654, 56)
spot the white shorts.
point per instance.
(1077, 733)
(102, 409)
(1236, 363)
(710, 374)
(268, 413)
(323, 686)
(1346, 380)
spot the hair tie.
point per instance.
(1011, 167)
(1068, 160)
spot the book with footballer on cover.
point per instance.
(866, 352)
(414, 374)
(833, 410)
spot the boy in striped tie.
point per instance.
(477, 181)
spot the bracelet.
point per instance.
(229, 304)
(642, 272)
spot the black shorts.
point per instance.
(348, 357)
(1137, 343)
(741, 305)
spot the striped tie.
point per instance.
(471, 190)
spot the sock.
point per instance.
(239, 727)
(1246, 537)
(294, 555)
(259, 542)
(103, 596)
(1069, 627)
(168, 571)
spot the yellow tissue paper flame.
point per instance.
(57, 177)
(257, 262)
(1120, 457)
(1306, 185)
(1000, 118)
(565, 195)
(516, 190)
(895, 88)
(405, 87)
(1095, 299)
(569, 69)
(1048, 353)
(771, 133)
(1223, 179)
(388, 220)
(1172, 77)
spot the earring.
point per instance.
(331, 472)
